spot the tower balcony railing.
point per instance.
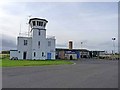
(25, 34)
(50, 37)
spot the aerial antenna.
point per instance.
(20, 29)
(28, 25)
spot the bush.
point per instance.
(5, 52)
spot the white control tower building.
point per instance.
(36, 45)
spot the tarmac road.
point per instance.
(84, 74)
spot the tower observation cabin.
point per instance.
(38, 23)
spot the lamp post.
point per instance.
(113, 39)
(82, 51)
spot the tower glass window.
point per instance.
(39, 32)
(44, 24)
(25, 42)
(38, 44)
(37, 23)
(33, 23)
(40, 23)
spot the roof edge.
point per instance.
(37, 19)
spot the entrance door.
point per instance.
(24, 55)
(48, 55)
(71, 57)
(78, 55)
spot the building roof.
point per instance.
(37, 19)
(97, 51)
(65, 49)
(13, 50)
(24, 37)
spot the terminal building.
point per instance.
(36, 45)
(70, 53)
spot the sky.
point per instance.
(93, 23)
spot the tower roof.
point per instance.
(37, 19)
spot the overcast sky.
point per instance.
(93, 23)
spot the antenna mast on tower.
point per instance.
(29, 25)
(20, 29)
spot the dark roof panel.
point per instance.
(59, 49)
(13, 50)
(37, 19)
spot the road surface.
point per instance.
(84, 74)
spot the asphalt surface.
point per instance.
(83, 74)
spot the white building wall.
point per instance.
(51, 48)
(35, 47)
(13, 53)
(24, 48)
(74, 56)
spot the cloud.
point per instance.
(93, 23)
(8, 42)
(61, 46)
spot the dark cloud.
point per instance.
(8, 42)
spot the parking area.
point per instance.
(86, 73)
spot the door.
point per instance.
(24, 55)
(78, 55)
(49, 56)
(71, 57)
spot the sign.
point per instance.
(70, 52)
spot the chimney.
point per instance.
(70, 45)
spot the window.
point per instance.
(34, 54)
(49, 43)
(38, 44)
(33, 23)
(25, 42)
(37, 23)
(39, 32)
(42, 54)
(40, 23)
(44, 24)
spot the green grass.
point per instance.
(5, 62)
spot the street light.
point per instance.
(82, 51)
(113, 39)
(81, 44)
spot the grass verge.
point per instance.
(13, 63)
